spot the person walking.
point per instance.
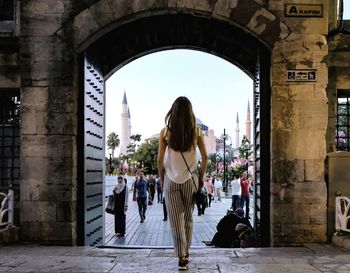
(245, 198)
(140, 195)
(176, 159)
(152, 188)
(121, 197)
(217, 187)
(236, 193)
(159, 191)
(210, 190)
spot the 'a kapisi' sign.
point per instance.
(304, 10)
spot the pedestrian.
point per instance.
(210, 190)
(217, 187)
(152, 188)
(140, 195)
(165, 213)
(202, 202)
(236, 193)
(245, 197)
(121, 197)
(177, 157)
(159, 191)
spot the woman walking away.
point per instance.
(176, 159)
(121, 197)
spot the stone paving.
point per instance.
(155, 232)
(312, 258)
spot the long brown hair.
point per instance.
(181, 123)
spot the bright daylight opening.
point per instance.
(138, 96)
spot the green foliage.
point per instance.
(146, 155)
(113, 141)
(245, 149)
(213, 159)
(131, 148)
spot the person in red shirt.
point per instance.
(245, 184)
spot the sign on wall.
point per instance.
(303, 10)
(301, 75)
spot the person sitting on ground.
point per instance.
(226, 235)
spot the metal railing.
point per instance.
(6, 207)
(342, 213)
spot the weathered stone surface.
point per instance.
(285, 115)
(10, 77)
(38, 211)
(40, 24)
(47, 74)
(314, 170)
(101, 13)
(206, 5)
(84, 25)
(188, 4)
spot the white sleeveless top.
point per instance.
(175, 166)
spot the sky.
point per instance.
(216, 88)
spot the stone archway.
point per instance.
(145, 34)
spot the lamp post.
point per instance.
(224, 137)
(110, 151)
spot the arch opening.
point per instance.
(156, 33)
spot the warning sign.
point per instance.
(304, 10)
(301, 75)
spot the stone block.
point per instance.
(66, 212)
(343, 81)
(47, 74)
(43, 6)
(306, 92)
(119, 8)
(85, 25)
(341, 59)
(204, 5)
(287, 171)
(62, 99)
(297, 234)
(29, 190)
(9, 59)
(51, 48)
(10, 77)
(312, 115)
(40, 24)
(280, 92)
(56, 146)
(284, 115)
(38, 211)
(54, 232)
(310, 144)
(34, 122)
(34, 99)
(223, 8)
(314, 170)
(187, 4)
(101, 13)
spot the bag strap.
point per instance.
(195, 186)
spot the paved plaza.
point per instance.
(312, 258)
(155, 232)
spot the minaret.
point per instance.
(129, 126)
(124, 133)
(248, 124)
(237, 132)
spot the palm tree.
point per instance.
(213, 160)
(113, 142)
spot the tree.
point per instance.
(213, 160)
(113, 142)
(245, 149)
(146, 155)
(131, 148)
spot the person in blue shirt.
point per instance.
(140, 195)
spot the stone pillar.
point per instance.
(299, 116)
(48, 126)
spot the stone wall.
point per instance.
(298, 126)
(53, 33)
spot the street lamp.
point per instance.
(110, 151)
(224, 138)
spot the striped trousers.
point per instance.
(179, 202)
